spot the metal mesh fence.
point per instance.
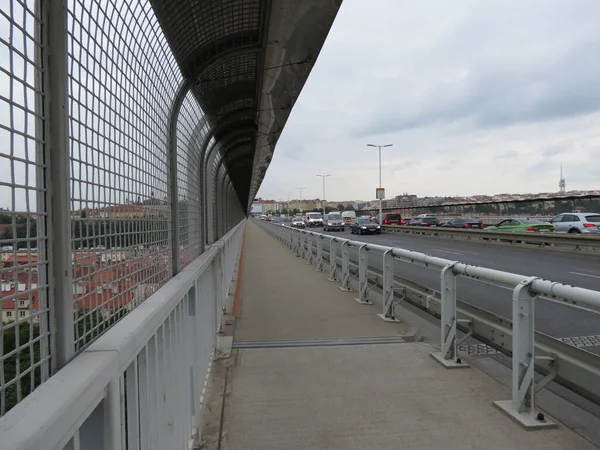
(122, 82)
(24, 333)
(191, 133)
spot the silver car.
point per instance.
(578, 223)
(333, 222)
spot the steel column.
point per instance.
(57, 184)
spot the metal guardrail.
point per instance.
(545, 240)
(137, 385)
(530, 350)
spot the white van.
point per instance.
(349, 217)
(314, 219)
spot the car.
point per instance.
(577, 223)
(363, 226)
(297, 222)
(523, 225)
(462, 222)
(268, 219)
(334, 222)
(393, 219)
(422, 221)
(277, 219)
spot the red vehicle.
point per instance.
(393, 219)
(268, 219)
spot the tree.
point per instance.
(340, 207)
(349, 207)
(24, 357)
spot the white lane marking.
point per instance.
(446, 251)
(585, 275)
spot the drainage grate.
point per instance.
(319, 342)
(477, 349)
(582, 341)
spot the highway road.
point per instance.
(552, 316)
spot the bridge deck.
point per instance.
(284, 391)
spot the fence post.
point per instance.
(332, 261)
(58, 187)
(448, 356)
(363, 282)
(388, 288)
(521, 407)
(320, 253)
(345, 268)
(308, 255)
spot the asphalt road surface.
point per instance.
(552, 316)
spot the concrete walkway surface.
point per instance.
(363, 396)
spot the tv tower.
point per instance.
(562, 185)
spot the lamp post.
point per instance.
(301, 189)
(380, 200)
(323, 200)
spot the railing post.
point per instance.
(388, 288)
(448, 356)
(363, 282)
(345, 268)
(332, 261)
(308, 255)
(320, 253)
(522, 406)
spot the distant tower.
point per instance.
(562, 183)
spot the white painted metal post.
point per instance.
(320, 253)
(345, 268)
(363, 283)
(522, 406)
(112, 416)
(332, 261)
(307, 248)
(448, 356)
(58, 186)
(388, 288)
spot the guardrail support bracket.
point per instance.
(521, 408)
(363, 282)
(319, 254)
(448, 356)
(345, 268)
(332, 261)
(388, 288)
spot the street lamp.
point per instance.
(380, 200)
(301, 189)
(323, 200)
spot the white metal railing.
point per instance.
(578, 368)
(141, 384)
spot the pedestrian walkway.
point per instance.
(313, 369)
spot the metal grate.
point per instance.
(191, 133)
(122, 82)
(24, 333)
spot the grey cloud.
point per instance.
(507, 155)
(500, 96)
(553, 150)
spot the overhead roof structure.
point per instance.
(246, 62)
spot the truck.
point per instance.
(349, 216)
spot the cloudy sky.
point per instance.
(476, 97)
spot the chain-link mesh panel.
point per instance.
(24, 334)
(123, 80)
(191, 133)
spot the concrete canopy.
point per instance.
(246, 62)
